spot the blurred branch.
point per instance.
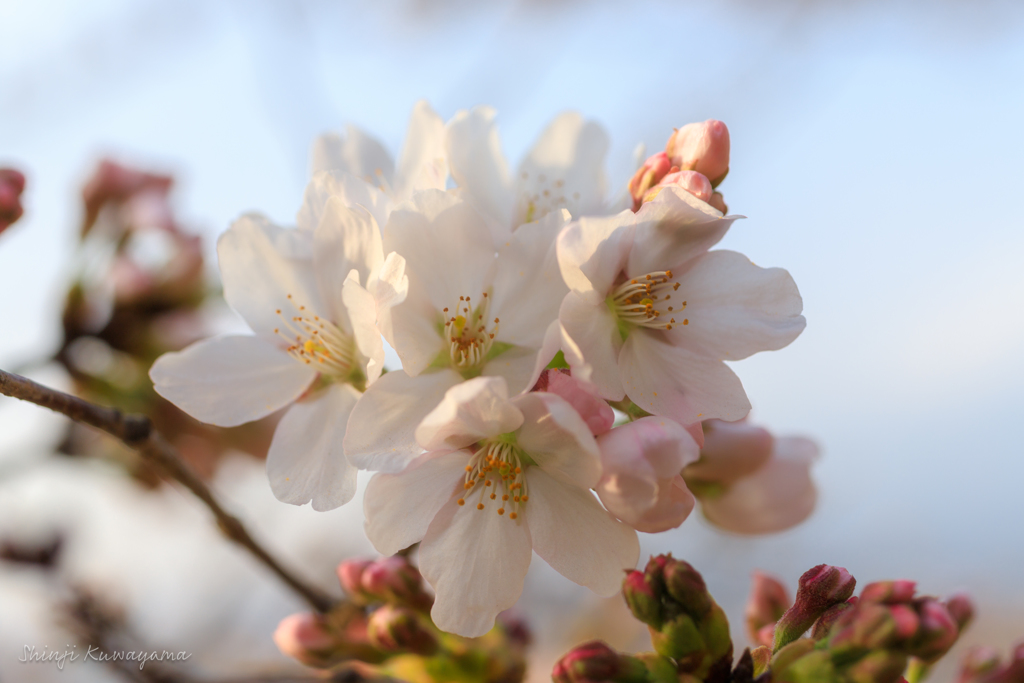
(136, 432)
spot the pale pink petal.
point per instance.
(399, 507)
(735, 308)
(478, 164)
(528, 286)
(576, 536)
(352, 191)
(593, 328)
(260, 265)
(557, 339)
(673, 504)
(347, 238)
(557, 439)
(362, 314)
(593, 251)
(584, 398)
(306, 461)
(470, 411)
(672, 229)
(657, 442)
(422, 164)
(355, 153)
(516, 365)
(564, 169)
(228, 381)
(476, 561)
(448, 254)
(731, 450)
(382, 426)
(776, 497)
(678, 383)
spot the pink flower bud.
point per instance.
(701, 147)
(647, 176)
(305, 637)
(642, 598)
(350, 574)
(777, 496)
(889, 592)
(399, 629)
(732, 450)
(819, 588)
(583, 396)
(394, 579)
(111, 182)
(981, 663)
(640, 483)
(691, 181)
(595, 662)
(938, 631)
(12, 184)
(768, 601)
(961, 608)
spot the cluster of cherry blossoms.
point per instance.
(554, 343)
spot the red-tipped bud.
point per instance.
(394, 579)
(877, 667)
(823, 626)
(937, 633)
(595, 662)
(691, 181)
(962, 610)
(768, 601)
(981, 663)
(12, 184)
(399, 629)
(701, 147)
(516, 629)
(686, 587)
(647, 176)
(643, 601)
(819, 588)
(350, 574)
(889, 592)
(305, 637)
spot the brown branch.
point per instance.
(136, 432)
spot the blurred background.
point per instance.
(876, 150)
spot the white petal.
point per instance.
(567, 161)
(448, 254)
(362, 314)
(516, 365)
(399, 507)
(672, 229)
(576, 536)
(675, 382)
(476, 561)
(528, 286)
(422, 164)
(735, 308)
(260, 265)
(478, 164)
(351, 190)
(356, 153)
(390, 288)
(558, 439)
(228, 381)
(347, 238)
(593, 251)
(470, 411)
(382, 426)
(306, 461)
(594, 330)
(778, 496)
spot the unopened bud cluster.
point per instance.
(385, 628)
(696, 159)
(12, 184)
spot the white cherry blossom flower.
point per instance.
(358, 168)
(655, 313)
(563, 170)
(315, 347)
(500, 477)
(455, 305)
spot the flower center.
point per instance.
(317, 341)
(465, 330)
(539, 195)
(497, 469)
(647, 301)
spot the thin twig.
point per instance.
(136, 432)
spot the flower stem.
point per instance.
(136, 432)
